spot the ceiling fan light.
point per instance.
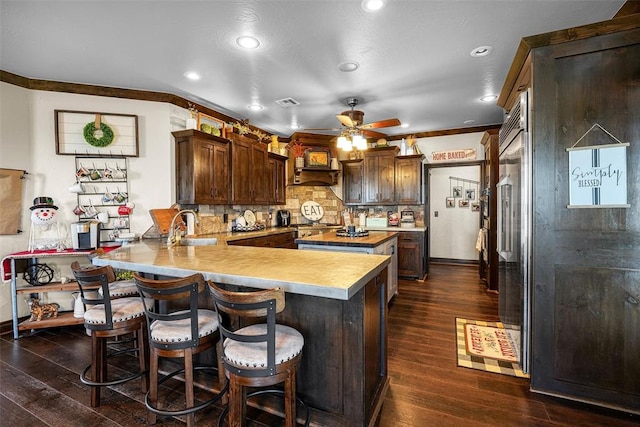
(347, 146)
(359, 142)
(342, 141)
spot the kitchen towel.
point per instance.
(10, 200)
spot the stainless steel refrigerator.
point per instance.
(514, 227)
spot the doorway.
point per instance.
(453, 211)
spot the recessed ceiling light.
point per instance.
(404, 125)
(488, 98)
(348, 66)
(372, 5)
(469, 122)
(294, 126)
(255, 107)
(481, 51)
(192, 75)
(248, 42)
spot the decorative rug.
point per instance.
(487, 346)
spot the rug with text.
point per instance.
(487, 346)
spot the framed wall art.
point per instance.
(450, 202)
(470, 194)
(92, 133)
(317, 158)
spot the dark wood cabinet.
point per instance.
(488, 258)
(408, 179)
(202, 168)
(278, 240)
(412, 254)
(379, 176)
(278, 176)
(352, 182)
(585, 288)
(249, 175)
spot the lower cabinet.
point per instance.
(412, 259)
(279, 240)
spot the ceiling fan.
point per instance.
(352, 122)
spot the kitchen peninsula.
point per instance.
(336, 300)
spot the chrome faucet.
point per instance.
(174, 238)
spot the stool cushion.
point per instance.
(122, 309)
(180, 330)
(121, 288)
(289, 343)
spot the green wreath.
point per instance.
(107, 135)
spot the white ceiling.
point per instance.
(414, 56)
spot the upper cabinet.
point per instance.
(352, 185)
(216, 171)
(379, 176)
(277, 177)
(202, 168)
(409, 186)
(249, 175)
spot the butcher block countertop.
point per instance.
(375, 238)
(316, 273)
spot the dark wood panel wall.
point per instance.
(586, 262)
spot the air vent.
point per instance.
(287, 102)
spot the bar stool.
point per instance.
(258, 355)
(117, 288)
(107, 319)
(179, 333)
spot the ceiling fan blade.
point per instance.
(345, 120)
(373, 134)
(381, 124)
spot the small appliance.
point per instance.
(85, 235)
(407, 219)
(283, 218)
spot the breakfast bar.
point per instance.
(336, 300)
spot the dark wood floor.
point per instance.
(39, 374)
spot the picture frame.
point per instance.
(475, 207)
(463, 203)
(470, 194)
(450, 202)
(457, 192)
(317, 158)
(71, 133)
(207, 124)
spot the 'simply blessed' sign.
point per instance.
(598, 176)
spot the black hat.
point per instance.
(43, 202)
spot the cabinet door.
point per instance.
(249, 176)
(202, 168)
(409, 180)
(211, 173)
(219, 170)
(241, 171)
(203, 177)
(259, 178)
(352, 182)
(410, 252)
(379, 177)
(277, 176)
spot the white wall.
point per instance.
(453, 232)
(27, 141)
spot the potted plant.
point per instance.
(297, 149)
